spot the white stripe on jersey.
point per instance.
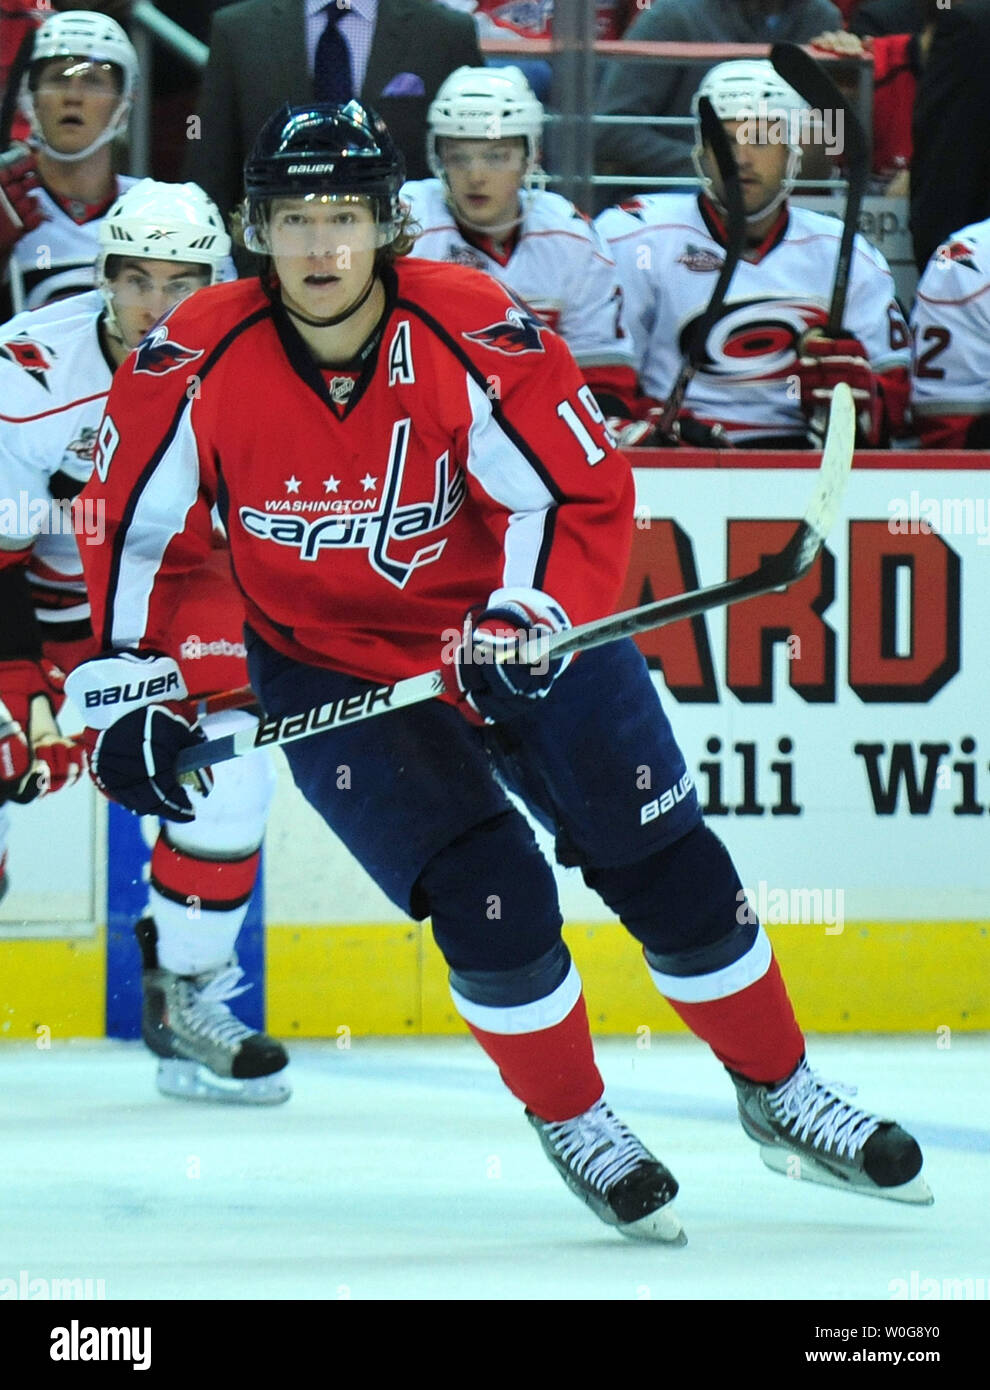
(160, 515)
(509, 478)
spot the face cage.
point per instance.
(255, 219)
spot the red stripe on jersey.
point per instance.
(552, 1072)
(56, 410)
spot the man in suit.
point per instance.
(264, 53)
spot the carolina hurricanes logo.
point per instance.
(31, 355)
(755, 340)
(158, 353)
(518, 332)
(956, 251)
(633, 206)
(699, 258)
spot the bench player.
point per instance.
(768, 369)
(485, 208)
(77, 94)
(158, 244)
(950, 327)
(363, 526)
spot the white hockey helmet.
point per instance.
(748, 90)
(485, 104)
(93, 37)
(164, 222)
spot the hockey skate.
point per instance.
(204, 1051)
(807, 1130)
(604, 1164)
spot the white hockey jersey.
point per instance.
(950, 325)
(57, 258)
(558, 265)
(54, 381)
(669, 253)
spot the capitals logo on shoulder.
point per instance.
(517, 333)
(158, 354)
(28, 353)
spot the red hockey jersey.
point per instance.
(469, 455)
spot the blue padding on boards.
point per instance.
(127, 898)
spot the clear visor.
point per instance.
(319, 227)
(78, 74)
(462, 158)
(155, 293)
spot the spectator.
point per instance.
(768, 371)
(950, 377)
(950, 171)
(395, 53)
(665, 89)
(878, 18)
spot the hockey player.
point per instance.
(950, 328)
(77, 96)
(363, 525)
(485, 208)
(768, 368)
(158, 244)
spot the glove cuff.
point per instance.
(108, 687)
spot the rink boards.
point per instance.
(834, 734)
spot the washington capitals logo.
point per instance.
(518, 332)
(956, 251)
(158, 353)
(31, 355)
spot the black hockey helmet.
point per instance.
(322, 150)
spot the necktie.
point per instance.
(332, 67)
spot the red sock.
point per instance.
(753, 1032)
(552, 1072)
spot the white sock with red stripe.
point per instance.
(199, 906)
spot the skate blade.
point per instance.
(661, 1226)
(182, 1080)
(793, 1165)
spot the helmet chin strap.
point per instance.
(338, 318)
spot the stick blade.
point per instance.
(837, 457)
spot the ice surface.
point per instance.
(402, 1169)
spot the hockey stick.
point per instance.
(714, 136)
(776, 572)
(810, 81)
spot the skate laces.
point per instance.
(598, 1147)
(205, 1009)
(819, 1115)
